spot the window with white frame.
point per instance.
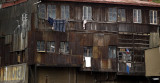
(137, 16)
(112, 14)
(153, 16)
(121, 15)
(51, 10)
(51, 46)
(65, 14)
(40, 46)
(88, 51)
(42, 11)
(87, 13)
(64, 47)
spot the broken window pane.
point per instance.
(88, 51)
(64, 47)
(112, 14)
(51, 11)
(65, 14)
(137, 16)
(50, 46)
(112, 51)
(87, 13)
(121, 15)
(42, 11)
(40, 46)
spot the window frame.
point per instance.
(64, 13)
(39, 11)
(153, 12)
(121, 16)
(41, 46)
(137, 17)
(112, 57)
(53, 11)
(90, 48)
(65, 48)
(112, 21)
(50, 48)
(89, 14)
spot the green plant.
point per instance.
(157, 1)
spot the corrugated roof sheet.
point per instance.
(122, 2)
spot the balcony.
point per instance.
(133, 69)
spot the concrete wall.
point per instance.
(152, 60)
(154, 39)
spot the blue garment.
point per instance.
(127, 69)
(59, 25)
(50, 20)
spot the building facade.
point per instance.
(79, 41)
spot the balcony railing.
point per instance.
(135, 68)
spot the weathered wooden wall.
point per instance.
(73, 75)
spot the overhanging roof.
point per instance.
(121, 2)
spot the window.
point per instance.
(121, 15)
(87, 13)
(137, 16)
(112, 51)
(88, 51)
(64, 47)
(40, 46)
(153, 17)
(51, 11)
(65, 12)
(112, 14)
(50, 46)
(42, 11)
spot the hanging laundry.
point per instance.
(58, 25)
(50, 20)
(128, 66)
(127, 50)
